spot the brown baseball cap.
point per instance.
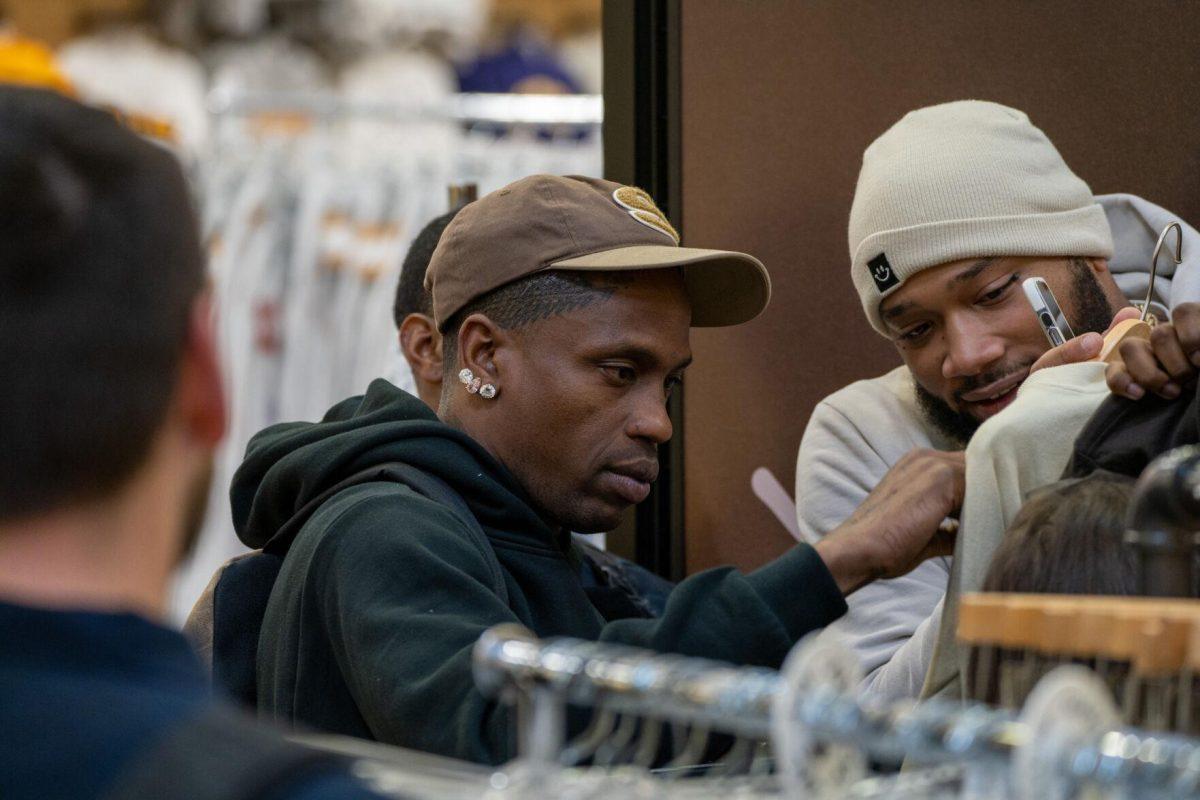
(547, 222)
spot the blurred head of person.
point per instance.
(420, 341)
(1067, 539)
(956, 205)
(112, 400)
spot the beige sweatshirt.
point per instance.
(1023, 448)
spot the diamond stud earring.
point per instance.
(475, 385)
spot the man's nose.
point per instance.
(650, 420)
(970, 348)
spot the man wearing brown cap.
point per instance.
(565, 304)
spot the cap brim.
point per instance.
(725, 288)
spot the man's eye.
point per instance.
(673, 384)
(620, 374)
(999, 291)
(915, 333)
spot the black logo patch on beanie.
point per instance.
(882, 273)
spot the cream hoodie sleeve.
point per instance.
(853, 438)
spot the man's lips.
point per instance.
(631, 481)
(993, 390)
(990, 400)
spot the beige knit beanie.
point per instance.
(964, 180)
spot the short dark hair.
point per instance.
(100, 266)
(529, 299)
(411, 297)
(1067, 539)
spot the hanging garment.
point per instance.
(1124, 436)
(1024, 447)
(132, 72)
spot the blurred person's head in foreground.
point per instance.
(955, 205)
(112, 398)
(1067, 539)
(565, 304)
(420, 341)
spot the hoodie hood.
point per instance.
(1136, 225)
(288, 465)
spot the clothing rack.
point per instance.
(627, 680)
(823, 733)
(468, 108)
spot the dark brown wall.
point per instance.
(780, 99)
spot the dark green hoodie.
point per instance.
(383, 593)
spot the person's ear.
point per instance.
(422, 347)
(201, 388)
(1098, 265)
(479, 339)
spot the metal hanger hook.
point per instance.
(1162, 237)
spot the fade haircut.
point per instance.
(411, 297)
(530, 299)
(100, 264)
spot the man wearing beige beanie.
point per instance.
(955, 205)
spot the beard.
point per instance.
(1092, 313)
(958, 426)
(194, 512)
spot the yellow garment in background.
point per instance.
(26, 62)
(30, 63)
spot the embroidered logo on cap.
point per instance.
(882, 273)
(640, 206)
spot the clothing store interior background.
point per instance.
(958, 559)
(320, 138)
(322, 134)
